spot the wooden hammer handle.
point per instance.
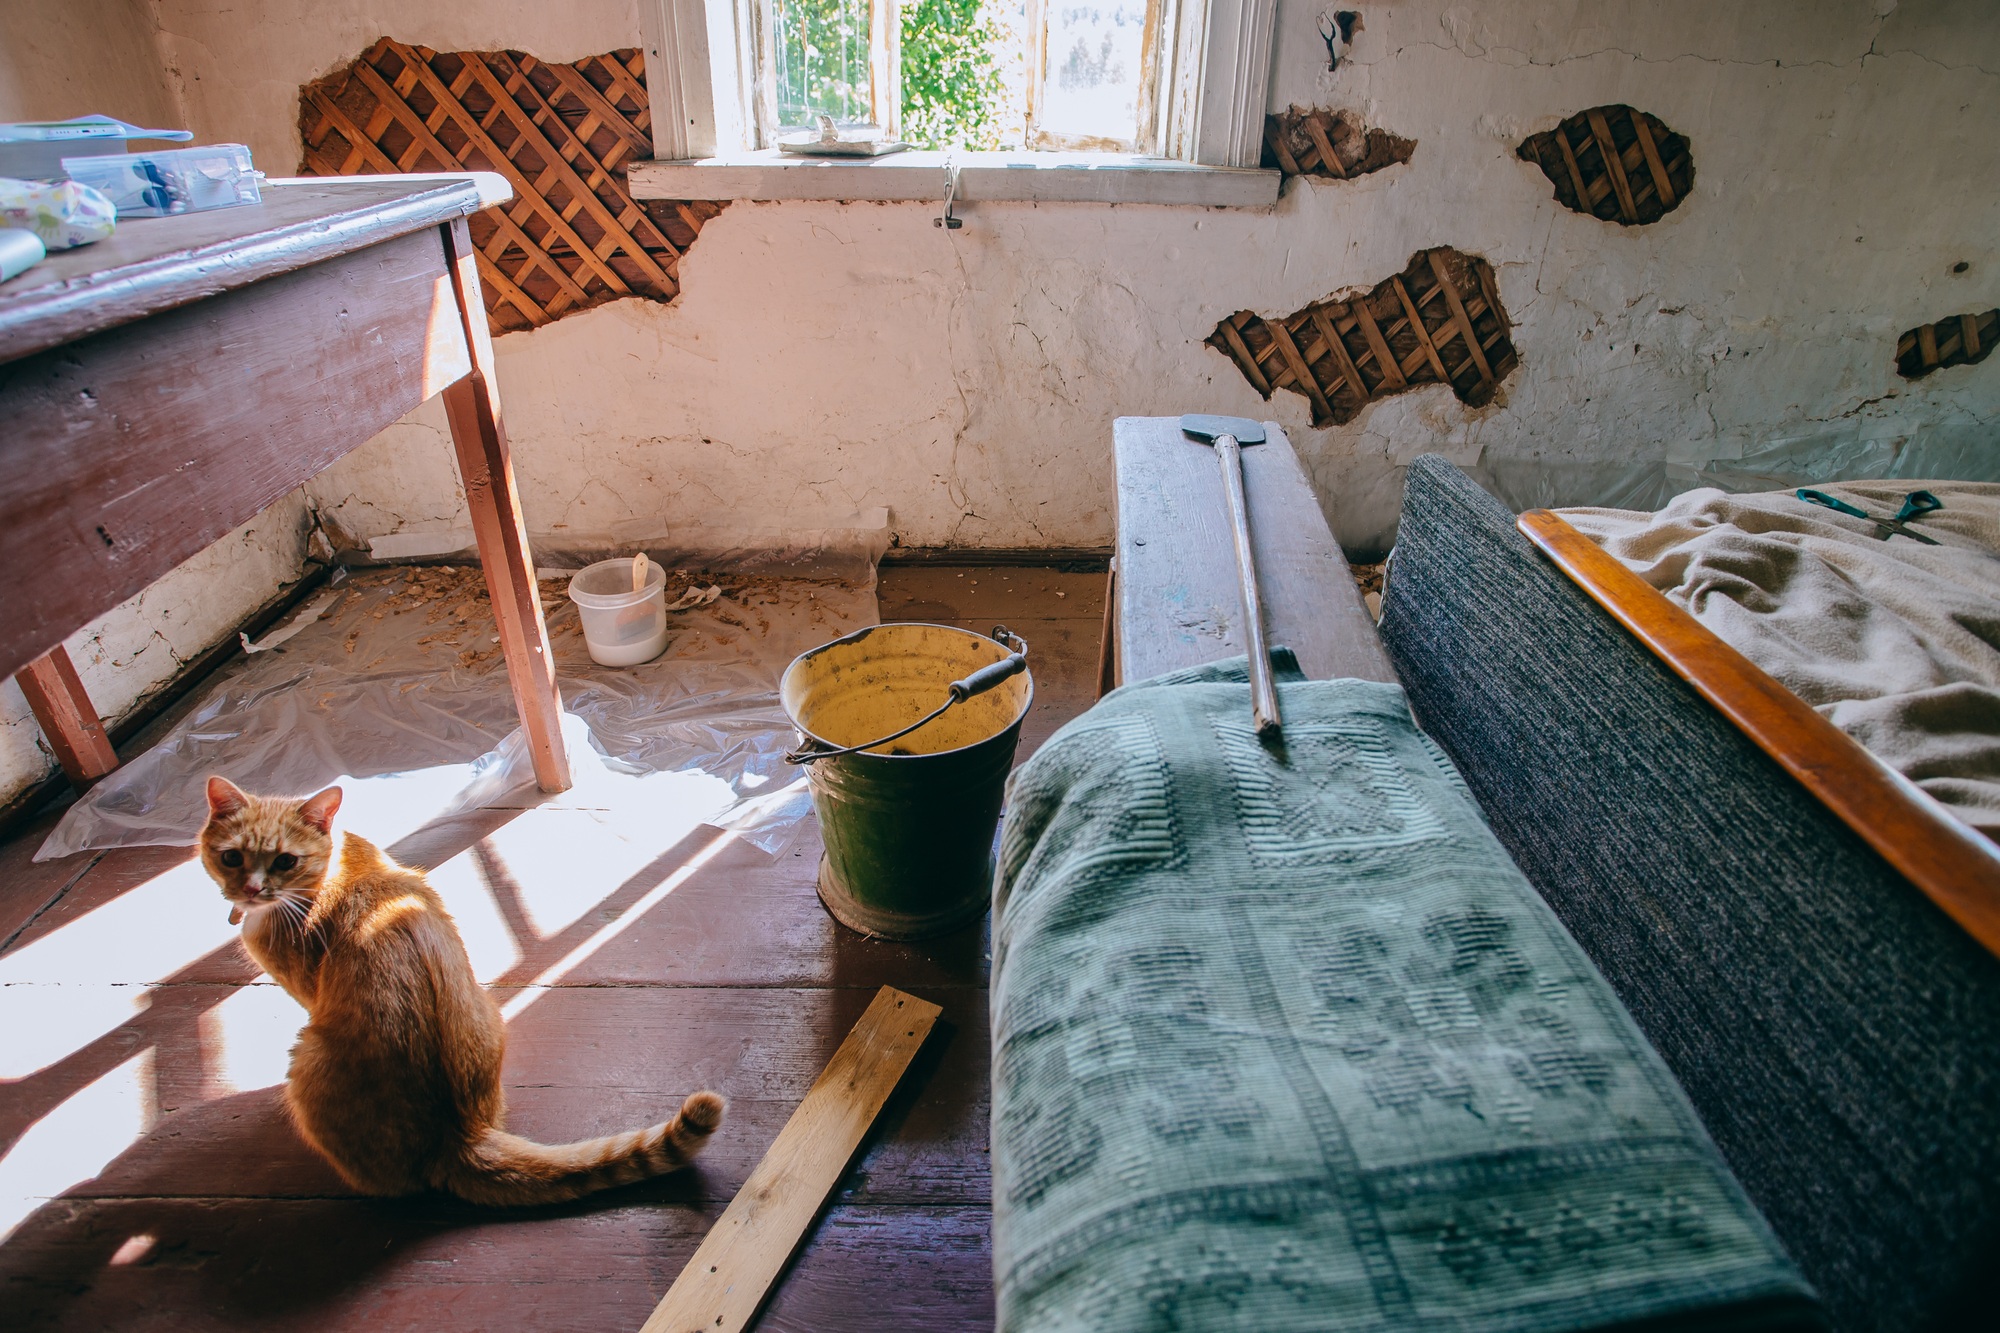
(1263, 690)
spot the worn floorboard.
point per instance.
(209, 1214)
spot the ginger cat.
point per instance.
(396, 1078)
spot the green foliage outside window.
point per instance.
(821, 57)
(954, 88)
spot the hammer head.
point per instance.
(1200, 426)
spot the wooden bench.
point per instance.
(1174, 599)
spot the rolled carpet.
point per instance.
(1283, 1041)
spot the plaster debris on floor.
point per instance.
(397, 689)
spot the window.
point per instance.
(978, 74)
(1178, 79)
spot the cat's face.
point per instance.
(267, 851)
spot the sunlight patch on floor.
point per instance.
(72, 986)
(75, 1141)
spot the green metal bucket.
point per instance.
(908, 825)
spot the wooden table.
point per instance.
(1176, 600)
(165, 386)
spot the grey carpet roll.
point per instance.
(1839, 1035)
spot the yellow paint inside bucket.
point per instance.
(883, 679)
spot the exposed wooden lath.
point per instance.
(573, 236)
(1438, 321)
(1955, 341)
(1302, 142)
(1615, 163)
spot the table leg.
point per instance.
(69, 720)
(480, 436)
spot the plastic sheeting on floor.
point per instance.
(397, 691)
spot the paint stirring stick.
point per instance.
(639, 572)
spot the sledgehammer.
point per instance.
(1228, 434)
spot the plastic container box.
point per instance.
(621, 627)
(179, 180)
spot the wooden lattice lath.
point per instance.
(1615, 163)
(1303, 142)
(1957, 341)
(572, 237)
(1438, 321)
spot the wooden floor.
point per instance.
(217, 1218)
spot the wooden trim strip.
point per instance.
(1423, 334)
(1245, 358)
(1583, 201)
(1282, 336)
(1463, 320)
(1614, 165)
(1324, 146)
(1952, 865)
(1275, 137)
(1662, 185)
(1385, 360)
(1349, 372)
(722, 1287)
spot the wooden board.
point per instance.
(722, 1287)
(154, 264)
(131, 450)
(1955, 867)
(1178, 599)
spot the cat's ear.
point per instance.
(319, 810)
(225, 797)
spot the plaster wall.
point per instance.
(63, 58)
(826, 358)
(79, 57)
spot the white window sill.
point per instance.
(919, 177)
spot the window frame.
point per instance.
(1209, 86)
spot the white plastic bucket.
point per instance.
(621, 627)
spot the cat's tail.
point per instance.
(501, 1169)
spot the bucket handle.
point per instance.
(978, 682)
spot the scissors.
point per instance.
(1915, 505)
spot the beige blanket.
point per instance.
(1895, 643)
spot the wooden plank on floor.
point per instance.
(731, 1273)
(984, 595)
(29, 887)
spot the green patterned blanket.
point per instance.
(1282, 1040)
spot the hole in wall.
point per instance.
(572, 237)
(1439, 321)
(1615, 163)
(1311, 141)
(1958, 340)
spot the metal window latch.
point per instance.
(946, 220)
